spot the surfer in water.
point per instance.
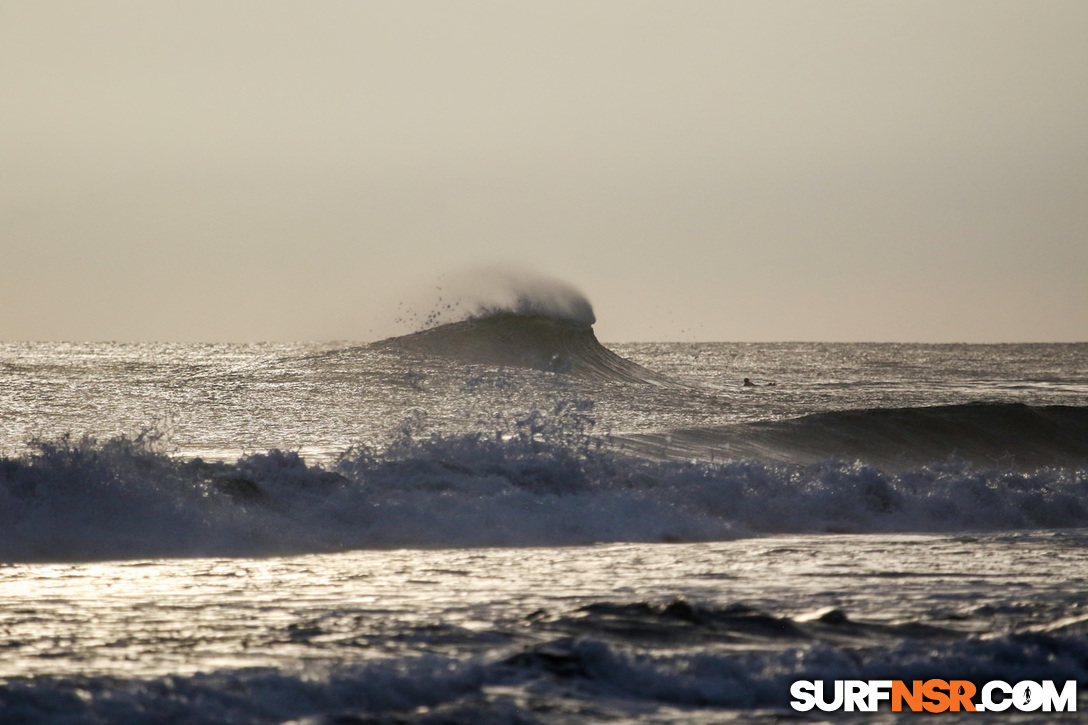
(749, 384)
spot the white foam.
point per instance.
(541, 481)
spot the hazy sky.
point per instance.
(751, 170)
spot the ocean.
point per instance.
(501, 520)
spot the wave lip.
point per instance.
(515, 339)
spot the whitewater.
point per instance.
(498, 519)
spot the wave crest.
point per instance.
(530, 295)
(502, 290)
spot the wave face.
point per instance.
(515, 339)
(1004, 435)
(541, 480)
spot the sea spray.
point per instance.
(494, 290)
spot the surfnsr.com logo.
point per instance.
(934, 696)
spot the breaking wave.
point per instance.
(542, 480)
(516, 339)
(516, 319)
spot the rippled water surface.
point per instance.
(307, 532)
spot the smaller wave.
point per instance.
(761, 677)
(679, 622)
(596, 675)
(1001, 435)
